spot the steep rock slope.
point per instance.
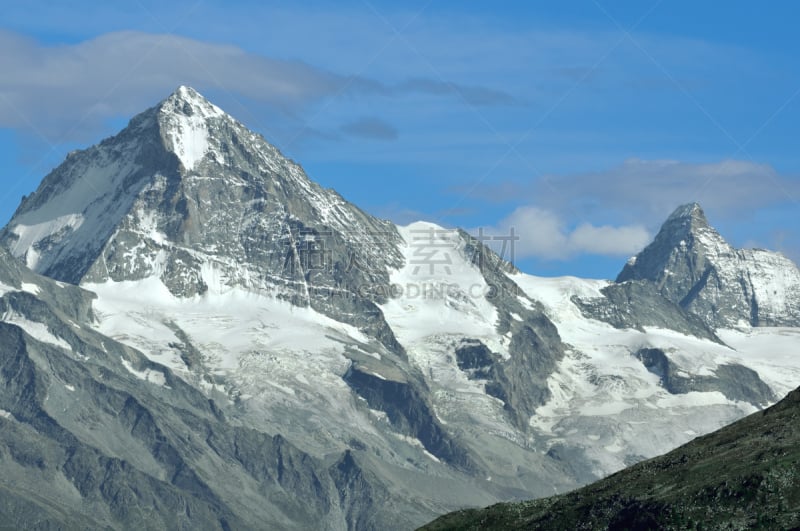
(93, 434)
(694, 267)
(218, 259)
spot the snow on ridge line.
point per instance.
(198, 102)
(187, 129)
(29, 235)
(433, 258)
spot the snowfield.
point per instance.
(274, 356)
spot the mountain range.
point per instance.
(196, 335)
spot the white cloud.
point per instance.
(608, 240)
(52, 88)
(543, 234)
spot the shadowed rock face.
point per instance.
(637, 304)
(736, 382)
(521, 381)
(409, 411)
(535, 347)
(693, 266)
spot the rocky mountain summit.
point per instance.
(189, 195)
(214, 257)
(694, 267)
(196, 329)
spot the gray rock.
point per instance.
(637, 304)
(409, 411)
(86, 443)
(736, 382)
(535, 347)
(93, 434)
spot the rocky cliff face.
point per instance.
(694, 267)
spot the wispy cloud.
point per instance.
(614, 212)
(647, 190)
(50, 89)
(471, 94)
(655, 187)
(53, 87)
(371, 128)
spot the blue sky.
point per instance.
(580, 124)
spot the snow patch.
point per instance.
(148, 375)
(417, 444)
(31, 288)
(189, 139)
(5, 289)
(186, 114)
(265, 350)
(600, 386)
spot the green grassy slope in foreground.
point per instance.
(744, 476)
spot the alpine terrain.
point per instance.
(744, 476)
(197, 335)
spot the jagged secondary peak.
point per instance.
(688, 226)
(684, 240)
(689, 222)
(690, 211)
(692, 265)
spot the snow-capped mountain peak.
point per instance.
(190, 195)
(186, 100)
(184, 119)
